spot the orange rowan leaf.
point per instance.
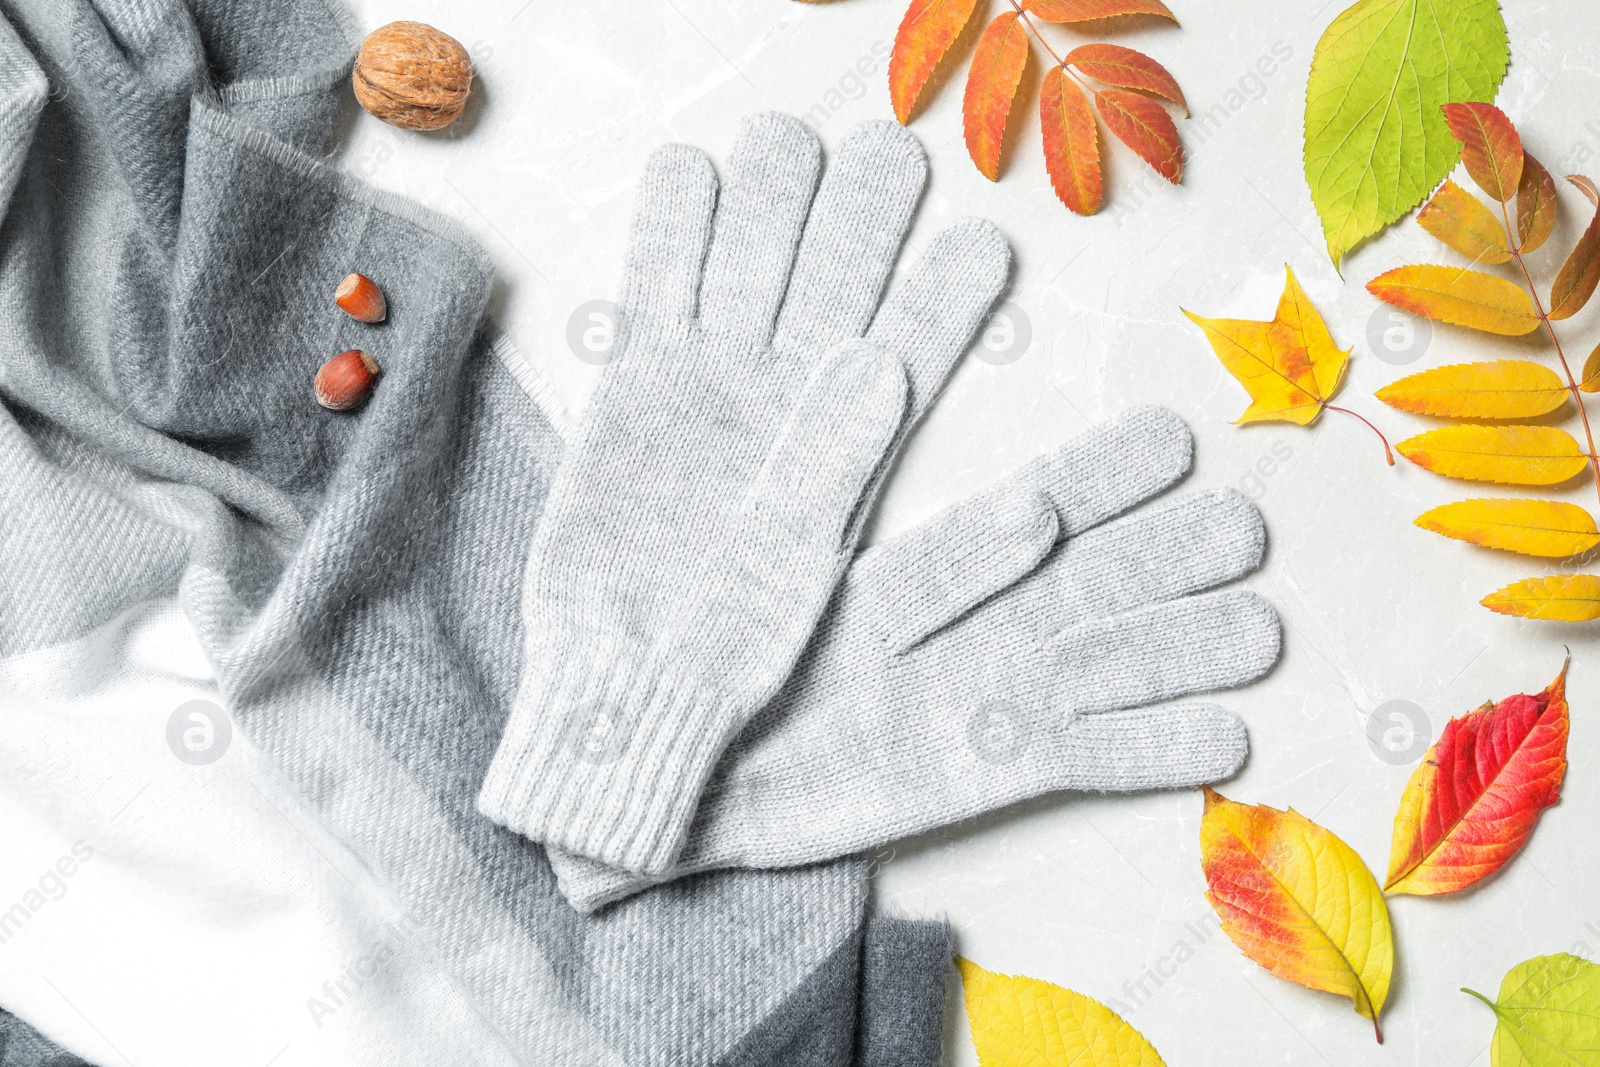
(992, 85)
(1549, 529)
(1558, 598)
(1590, 382)
(1575, 283)
(1510, 455)
(1536, 205)
(1124, 67)
(1495, 389)
(1460, 220)
(1490, 147)
(1084, 10)
(1071, 142)
(1473, 801)
(1144, 126)
(1454, 295)
(926, 33)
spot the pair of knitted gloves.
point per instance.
(715, 677)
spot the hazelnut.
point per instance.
(361, 299)
(345, 380)
(410, 75)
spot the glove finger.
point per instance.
(771, 178)
(671, 228)
(852, 238)
(1152, 748)
(932, 315)
(1194, 645)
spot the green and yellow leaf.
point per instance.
(1557, 598)
(1547, 1014)
(1461, 221)
(1510, 455)
(1551, 529)
(1500, 389)
(1458, 296)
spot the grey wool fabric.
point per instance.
(167, 257)
(1010, 646)
(715, 489)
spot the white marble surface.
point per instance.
(1101, 894)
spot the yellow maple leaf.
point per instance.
(1022, 1022)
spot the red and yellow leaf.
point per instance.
(1144, 126)
(1085, 10)
(1575, 283)
(992, 85)
(926, 33)
(1549, 529)
(1456, 295)
(1126, 68)
(1510, 455)
(1071, 142)
(1536, 205)
(1473, 801)
(1558, 598)
(1298, 901)
(1490, 147)
(1460, 220)
(1497, 389)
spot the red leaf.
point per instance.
(1536, 205)
(1144, 126)
(926, 33)
(1490, 147)
(1084, 10)
(1575, 283)
(1071, 142)
(991, 88)
(1116, 65)
(1478, 792)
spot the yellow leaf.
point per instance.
(1512, 455)
(1461, 221)
(1298, 901)
(1289, 366)
(1548, 528)
(1501, 389)
(1459, 296)
(1023, 1022)
(1559, 598)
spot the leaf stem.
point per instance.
(1544, 317)
(1037, 36)
(1387, 453)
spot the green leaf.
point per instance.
(1548, 1014)
(1376, 142)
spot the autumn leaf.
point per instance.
(1474, 799)
(1376, 142)
(1019, 1020)
(1085, 10)
(1536, 205)
(926, 33)
(1499, 389)
(1574, 285)
(1558, 598)
(992, 84)
(1490, 147)
(1590, 382)
(1460, 220)
(1547, 1014)
(1071, 142)
(1298, 901)
(1511, 455)
(1458, 296)
(1552, 529)
(1144, 126)
(1126, 68)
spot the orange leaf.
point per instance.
(1454, 295)
(1144, 126)
(1071, 142)
(1297, 900)
(1116, 65)
(1575, 283)
(1478, 792)
(991, 87)
(1490, 147)
(1536, 205)
(1084, 10)
(926, 33)
(1460, 220)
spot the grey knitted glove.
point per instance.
(715, 490)
(1006, 648)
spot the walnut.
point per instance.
(411, 75)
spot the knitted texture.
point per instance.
(716, 486)
(167, 264)
(1005, 648)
